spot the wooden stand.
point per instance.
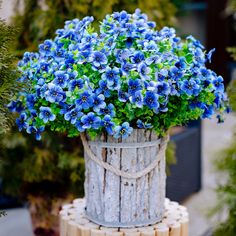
(73, 222)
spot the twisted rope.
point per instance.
(119, 172)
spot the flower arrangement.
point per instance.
(129, 75)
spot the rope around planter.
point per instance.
(119, 172)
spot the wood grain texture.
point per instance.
(116, 201)
(169, 226)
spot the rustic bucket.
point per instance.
(125, 179)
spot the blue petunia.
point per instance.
(108, 110)
(190, 87)
(142, 125)
(122, 55)
(98, 58)
(151, 100)
(161, 75)
(79, 126)
(176, 73)
(218, 84)
(73, 115)
(21, 121)
(15, 106)
(123, 130)
(61, 78)
(98, 102)
(108, 124)
(144, 71)
(111, 75)
(85, 101)
(209, 54)
(163, 88)
(123, 96)
(91, 121)
(208, 111)
(54, 93)
(46, 114)
(75, 83)
(126, 68)
(137, 99)
(137, 57)
(103, 88)
(134, 85)
(45, 48)
(36, 131)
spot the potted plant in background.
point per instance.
(54, 160)
(123, 87)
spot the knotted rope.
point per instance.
(161, 152)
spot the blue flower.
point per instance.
(91, 121)
(61, 78)
(134, 85)
(137, 57)
(142, 125)
(85, 101)
(122, 131)
(122, 55)
(45, 48)
(161, 75)
(103, 88)
(30, 100)
(15, 106)
(54, 94)
(151, 100)
(208, 112)
(144, 71)
(73, 115)
(108, 124)
(75, 83)
(98, 59)
(195, 103)
(123, 96)
(21, 121)
(108, 110)
(137, 99)
(111, 75)
(176, 73)
(79, 126)
(98, 102)
(209, 54)
(163, 88)
(46, 114)
(153, 59)
(218, 84)
(36, 131)
(126, 68)
(190, 87)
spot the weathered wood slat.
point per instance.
(112, 186)
(128, 186)
(118, 201)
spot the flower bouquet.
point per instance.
(121, 88)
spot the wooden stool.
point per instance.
(73, 222)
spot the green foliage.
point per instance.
(40, 19)
(8, 75)
(226, 165)
(227, 191)
(54, 166)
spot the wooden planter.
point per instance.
(125, 179)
